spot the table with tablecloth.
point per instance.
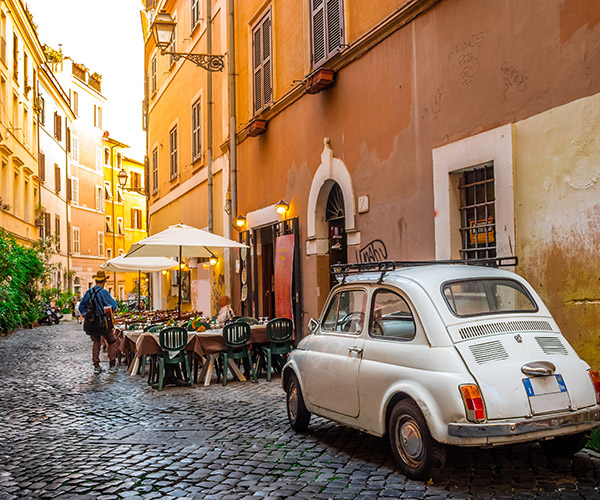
(201, 344)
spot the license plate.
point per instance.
(538, 386)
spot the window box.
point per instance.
(257, 127)
(319, 80)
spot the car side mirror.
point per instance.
(313, 325)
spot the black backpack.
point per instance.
(93, 320)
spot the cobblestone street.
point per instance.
(66, 433)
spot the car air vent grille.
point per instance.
(488, 352)
(551, 345)
(469, 332)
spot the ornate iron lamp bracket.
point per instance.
(206, 61)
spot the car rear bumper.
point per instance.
(582, 419)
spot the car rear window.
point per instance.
(477, 297)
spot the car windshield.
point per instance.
(476, 297)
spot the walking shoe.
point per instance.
(113, 369)
(98, 369)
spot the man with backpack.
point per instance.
(94, 321)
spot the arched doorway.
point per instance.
(336, 221)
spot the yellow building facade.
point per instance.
(20, 56)
(124, 211)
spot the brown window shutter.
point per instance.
(318, 31)
(69, 189)
(266, 61)
(149, 4)
(258, 99)
(47, 224)
(57, 185)
(42, 163)
(334, 26)
(68, 141)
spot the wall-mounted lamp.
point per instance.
(213, 261)
(122, 177)
(164, 272)
(240, 221)
(282, 207)
(163, 31)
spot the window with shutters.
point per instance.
(196, 131)
(136, 181)
(119, 194)
(136, 218)
(100, 198)
(195, 18)
(173, 167)
(173, 45)
(100, 244)
(108, 227)
(42, 112)
(327, 29)
(75, 103)
(57, 185)
(155, 171)
(120, 226)
(98, 159)
(47, 224)
(42, 163)
(69, 189)
(76, 240)
(57, 126)
(57, 231)
(153, 81)
(75, 148)
(67, 138)
(262, 63)
(74, 191)
(108, 190)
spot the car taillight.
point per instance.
(473, 403)
(595, 376)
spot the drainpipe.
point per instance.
(232, 111)
(68, 283)
(209, 130)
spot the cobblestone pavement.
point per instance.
(66, 433)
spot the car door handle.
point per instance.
(357, 350)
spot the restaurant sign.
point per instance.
(284, 265)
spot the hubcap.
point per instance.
(409, 441)
(293, 401)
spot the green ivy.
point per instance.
(21, 270)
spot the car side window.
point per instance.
(330, 319)
(346, 312)
(391, 316)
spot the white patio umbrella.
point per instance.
(182, 241)
(125, 264)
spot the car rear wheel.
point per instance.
(565, 446)
(418, 454)
(298, 415)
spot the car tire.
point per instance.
(418, 454)
(565, 446)
(298, 415)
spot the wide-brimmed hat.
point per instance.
(100, 276)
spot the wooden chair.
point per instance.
(236, 336)
(279, 333)
(172, 341)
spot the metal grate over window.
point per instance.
(478, 213)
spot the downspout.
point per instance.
(209, 130)
(67, 216)
(232, 114)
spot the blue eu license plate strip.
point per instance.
(531, 392)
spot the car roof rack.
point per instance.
(385, 266)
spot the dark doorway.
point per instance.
(268, 275)
(336, 221)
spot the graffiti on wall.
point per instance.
(513, 79)
(372, 252)
(464, 54)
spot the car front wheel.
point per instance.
(565, 446)
(298, 415)
(418, 454)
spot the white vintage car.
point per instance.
(441, 354)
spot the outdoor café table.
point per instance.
(209, 343)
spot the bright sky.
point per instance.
(106, 37)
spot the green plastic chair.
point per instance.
(279, 333)
(173, 339)
(247, 319)
(143, 359)
(236, 336)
